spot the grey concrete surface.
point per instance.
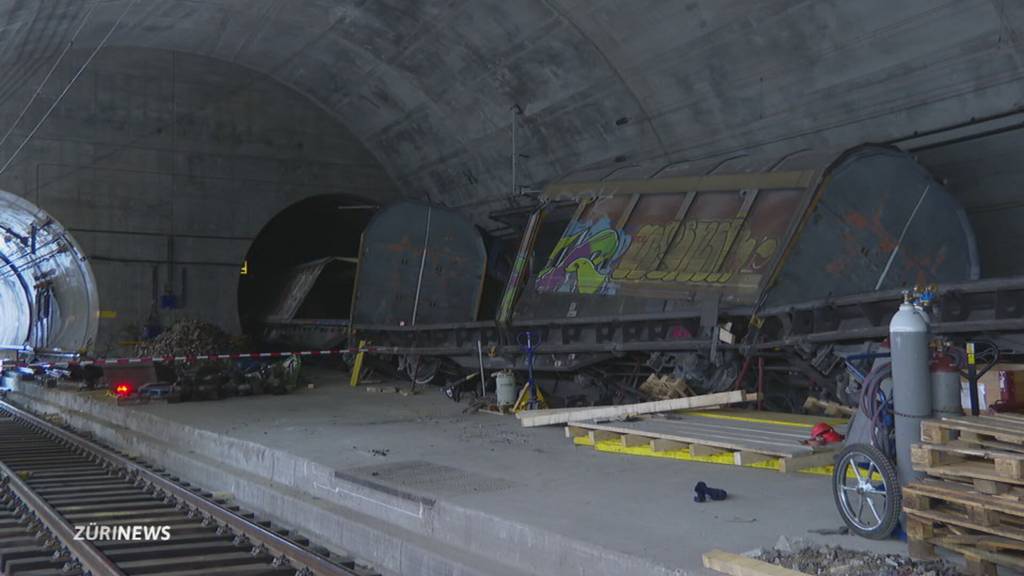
(427, 85)
(475, 483)
(159, 160)
(200, 120)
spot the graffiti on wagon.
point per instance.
(596, 258)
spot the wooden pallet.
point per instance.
(982, 553)
(977, 509)
(988, 450)
(1000, 431)
(758, 443)
(967, 460)
(955, 504)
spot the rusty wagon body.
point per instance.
(713, 261)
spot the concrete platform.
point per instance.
(418, 487)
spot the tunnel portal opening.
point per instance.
(48, 296)
(301, 268)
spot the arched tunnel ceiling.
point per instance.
(427, 85)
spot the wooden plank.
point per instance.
(663, 445)
(935, 433)
(919, 532)
(977, 540)
(629, 440)
(971, 449)
(971, 553)
(725, 434)
(974, 439)
(829, 408)
(984, 420)
(796, 463)
(959, 493)
(920, 550)
(969, 469)
(736, 565)
(949, 517)
(705, 450)
(745, 458)
(600, 435)
(762, 431)
(777, 418)
(940, 431)
(1007, 417)
(985, 542)
(979, 565)
(545, 418)
(1005, 422)
(990, 487)
(919, 529)
(574, 432)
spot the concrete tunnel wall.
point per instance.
(428, 85)
(426, 88)
(154, 152)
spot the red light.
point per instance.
(123, 390)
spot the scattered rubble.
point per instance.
(665, 388)
(187, 338)
(809, 558)
(487, 433)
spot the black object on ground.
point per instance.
(703, 492)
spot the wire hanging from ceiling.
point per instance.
(71, 83)
(53, 68)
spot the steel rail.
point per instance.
(297, 556)
(84, 552)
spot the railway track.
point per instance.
(70, 506)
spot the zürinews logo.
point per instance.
(94, 532)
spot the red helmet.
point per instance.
(825, 433)
(820, 429)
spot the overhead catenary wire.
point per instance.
(24, 259)
(14, 268)
(46, 78)
(71, 84)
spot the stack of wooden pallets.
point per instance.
(972, 502)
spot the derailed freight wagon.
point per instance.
(689, 268)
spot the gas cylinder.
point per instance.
(945, 387)
(911, 382)
(505, 384)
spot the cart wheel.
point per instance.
(867, 491)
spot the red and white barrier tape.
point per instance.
(195, 358)
(200, 358)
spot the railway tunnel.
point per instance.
(289, 268)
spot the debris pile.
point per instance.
(810, 558)
(187, 338)
(665, 388)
